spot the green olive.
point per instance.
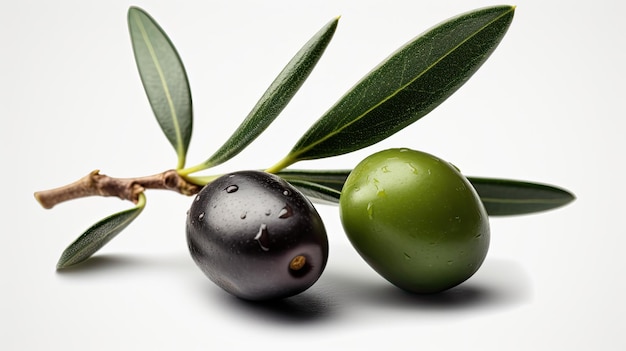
(415, 219)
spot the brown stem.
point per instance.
(96, 184)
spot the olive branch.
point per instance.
(403, 88)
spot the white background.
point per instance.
(547, 107)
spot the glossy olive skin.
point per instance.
(415, 219)
(256, 236)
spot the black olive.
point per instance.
(256, 236)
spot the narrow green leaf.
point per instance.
(504, 197)
(276, 97)
(333, 179)
(501, 197)
(99, 235)
(164, 80)
(317, 192)
(406, 86)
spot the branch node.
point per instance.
(96, 184)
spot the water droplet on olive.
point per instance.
(370, 210)
(262, 238)
(231, 189)
(285, 212)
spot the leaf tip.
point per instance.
(132, 10)
(571, 197)
(334, 23)
(65, 261)
(512, 9)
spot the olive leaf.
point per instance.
(501, 197)
(329, 178)
(316, 191)
(275, 98)
(99, 234)
(164, 80)
(406, 86)
(504, 197)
